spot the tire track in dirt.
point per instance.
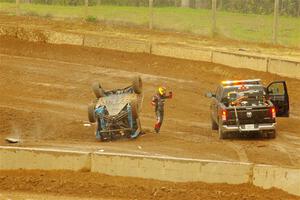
(98, 70)
(240, 151)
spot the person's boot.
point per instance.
(157, 127)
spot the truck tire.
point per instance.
(137, 85)
(91, 113)
(222, 135)
(214, 125)
(97, 89)
(272, 134)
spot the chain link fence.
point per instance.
(247, 20)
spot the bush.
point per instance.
(91, 19)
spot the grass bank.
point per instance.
(246, 27)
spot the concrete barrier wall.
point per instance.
(160, 168)
(278, 66)
(239, 60)
(28, 158)
(286, 179)
(128, 45)
(180, 51)
(171, 169)
(284, 67)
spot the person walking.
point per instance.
(158, 101)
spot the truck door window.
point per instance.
(276, 89)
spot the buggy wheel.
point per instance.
(91, 113)
(137, 85)
(97, 89)
(134, 109)
(214, 125)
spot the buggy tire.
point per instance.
(137, 85)
(214, 125)
(91, 113)
(97, 89)
(134, 109)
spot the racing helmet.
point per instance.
(162, 90)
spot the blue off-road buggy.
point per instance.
(117, 111)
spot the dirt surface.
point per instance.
(17, 195)
(45, 90)
(133, 32)
(87, 185)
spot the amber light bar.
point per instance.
(241, 82)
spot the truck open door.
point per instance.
(278, 94)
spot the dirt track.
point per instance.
(44, 92)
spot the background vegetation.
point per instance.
(287, 7)
(232, 21)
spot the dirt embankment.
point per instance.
(86, 184)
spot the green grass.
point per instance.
(246, 27)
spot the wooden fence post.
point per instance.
(86, 5)
(298, 13)
(213, 18)
(17, 7)
(275, 22)
(150, 14)
(185, 3)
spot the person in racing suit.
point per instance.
(158, 101)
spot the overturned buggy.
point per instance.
(116, 112)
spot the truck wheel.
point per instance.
(272, 134)
(91, 113)
(137, 85)
(222, 135)
(214, 125)
(97, 89)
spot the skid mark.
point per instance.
(53, 102)
(51, 85)
(30, 108)
(292, 155)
